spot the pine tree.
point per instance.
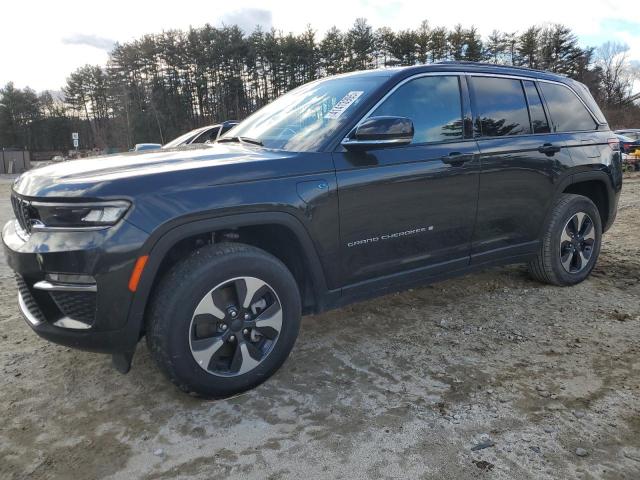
(332, 52)
(439, 44)
(495, 47)
(360, 45)
(423, 41)
(405, 47)
(474, 49)
(457, 43)
(385, 39)
(528, 47)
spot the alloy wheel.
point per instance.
(235, 326)
(577, 242)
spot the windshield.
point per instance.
(301, 120)
(176, 142)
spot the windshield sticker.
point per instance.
(339, 108)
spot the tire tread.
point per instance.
(541, 267)
(157, 325)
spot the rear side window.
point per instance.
(432, 103)
(501, 107)
(591, 103)
(539, 121)
(567, 112)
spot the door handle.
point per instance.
(548, 149)
(456, 159)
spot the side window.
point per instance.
(567, 111)
(207, 135)
(432, 103)
(501, 107)
(539, 121)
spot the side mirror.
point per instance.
(376, 132)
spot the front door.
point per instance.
(411, 208)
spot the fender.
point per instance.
(610, 187)
(166, 237)
(600, 175)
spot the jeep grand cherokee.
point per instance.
(344, 188)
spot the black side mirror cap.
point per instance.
(380, 132)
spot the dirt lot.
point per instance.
(412, 385)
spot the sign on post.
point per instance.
(75, 136)
(75, 143)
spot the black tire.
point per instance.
(169, 324)
(548, 267)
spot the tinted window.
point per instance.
(501, 107)
(567, 111)
(591, 103)
(207, 135)
(539, 121)
(432, 103)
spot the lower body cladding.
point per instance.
(73, 286)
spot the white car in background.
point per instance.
(141, 147)
(209, 133)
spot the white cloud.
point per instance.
(43, 60)
(248, 19)
(95, 41)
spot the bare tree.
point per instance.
(617, 74)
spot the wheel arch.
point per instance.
(161, 244)
(596, 186)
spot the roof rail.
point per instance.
(492, 65)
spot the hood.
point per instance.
(91, 176)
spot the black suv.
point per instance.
(345, 188)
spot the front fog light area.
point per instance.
(70, 278)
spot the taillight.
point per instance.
(614, 143)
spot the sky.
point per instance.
(41, 42)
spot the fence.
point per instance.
(46, 155)
(14, 161)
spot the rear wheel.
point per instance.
(571, 242)
(224, 320)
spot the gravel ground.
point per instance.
(488, 376)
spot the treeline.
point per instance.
(162, 85)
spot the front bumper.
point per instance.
(88, 317)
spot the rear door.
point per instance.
(572, 122)
(411, 207)
(521, 160)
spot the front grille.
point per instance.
(80, 306)
(28, 299)
(23, 212)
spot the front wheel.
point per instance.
(224, 320)
(570, 243)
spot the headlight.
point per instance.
(59, 216)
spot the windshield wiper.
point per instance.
(253, 141)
